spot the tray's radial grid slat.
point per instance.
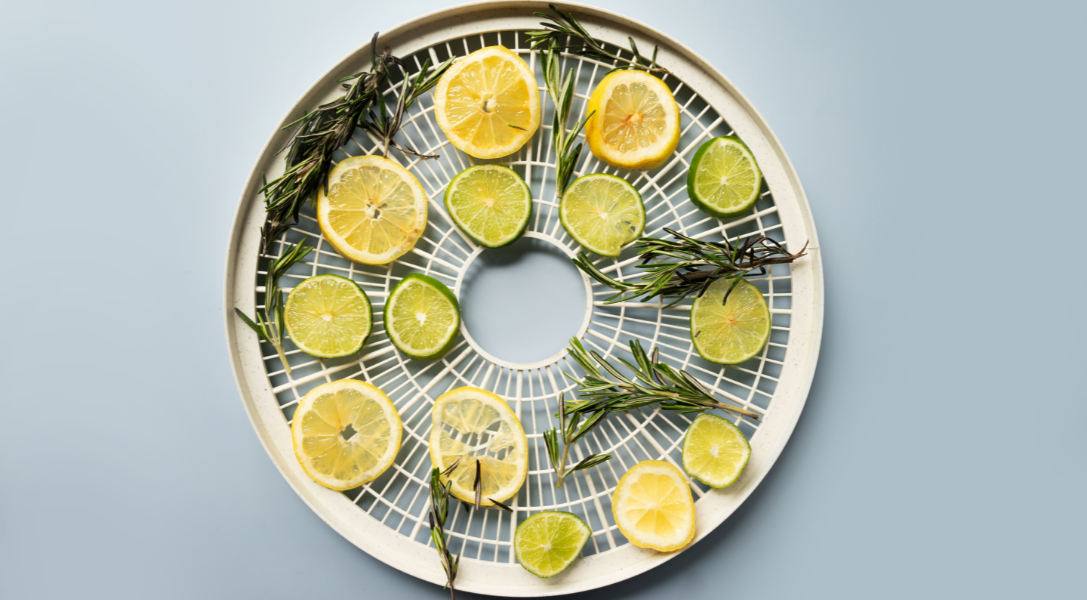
(387, 517)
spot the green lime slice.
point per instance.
(724, 178)
(422, 317)
(715, 451)
(328, 316)
(491, 204)
(548, 542)
(602, 212)
(731, 333)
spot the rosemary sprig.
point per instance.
(570, 434)
(325, 129)
(270, 326)
(675, 268)
(561, 90)
(439, 510)
(654, 382)
(560, 27)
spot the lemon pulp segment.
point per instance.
(475, 426)
(733, 332)
(602, 212)
(653, 506)
(488, 103)
(345, 433)
(715, 451)
(374, 211)
(328, 316)
(636, 125)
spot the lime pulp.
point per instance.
(715, 451)
(732, 332)
(328, 316)
(491, 204)
(724, 179)
(550, 541)
(422, 317)
(602, 212)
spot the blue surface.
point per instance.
(941, 452)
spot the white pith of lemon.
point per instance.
(374, 211)
(636, 123)
(488, 103)
(478, 427)
(653, 506)
(345, 433)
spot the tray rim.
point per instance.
(424, 565)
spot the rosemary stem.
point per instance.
(282, 357)
(561, 468)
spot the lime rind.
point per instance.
(580, 198)
(293, 326)
(551, 524)
(696, 178)
(507, 182)
(450, 338)
(695, 462)
(745, 319)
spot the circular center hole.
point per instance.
(522, 303)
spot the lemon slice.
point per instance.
(328, 316)
(715, 451)
(477, 427)
(490, 203)
(488, 103)
(345, 433)
(550, 541)
(375, 210)
(732, 332)
(636, 125)
(653, 506)
(724, 178)
(422, 317)
(602, 212)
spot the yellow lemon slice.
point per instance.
(653, 506)
(345, 433)
(374, 211)
(488, 103)
(477, 427)
(636, 125)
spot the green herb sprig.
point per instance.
(270, 327)
(561, 90)
(684, 266)
(654, 382)
(325, 129)
(439, 511)
(570, 432)
(560, 27)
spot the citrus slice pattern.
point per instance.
(374, 211)
(345, 433)
(422, 317)
(476, 427)
(602, 212)
(550, 541)
(490, 203)
(724, 178)
(734, 331)
(715, 451)
(653, 506)
(636, 120)
(488, 103)
(328, 316)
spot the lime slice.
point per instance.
(549, 541)
(602, 212)
(491, 204)
(422, 317)
(724, 178)
(731, 333)
(715, 451)
(328, 316)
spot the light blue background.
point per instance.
(941, 453)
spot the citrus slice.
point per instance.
(491, 204)
(488, 103)
(724, 178)
(374, 211)
(345, 433)
(732, 332)
(328, 316)
(602, 212)
(548, 542)
(636, 125)
(653, 506)
(715, 451)
(422, 317)
(477, 427)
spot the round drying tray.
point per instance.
(387, 517)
